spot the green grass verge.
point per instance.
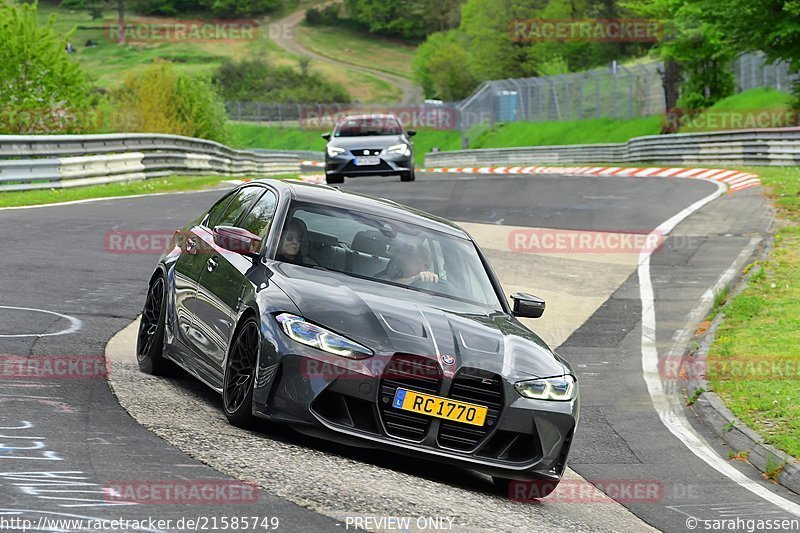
(151, 186)
(755, 359)
(251, 135)
(588, 131)
(366, 50)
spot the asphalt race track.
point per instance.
(65, 294)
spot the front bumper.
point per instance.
(347, 401)
(389, 165)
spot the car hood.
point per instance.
(391, 319)
(373, 142)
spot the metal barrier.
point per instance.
(58, 161)
(773, 147)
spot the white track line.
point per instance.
(74, 323)
(672, 416)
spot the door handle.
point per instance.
(191, 245)
(212, 264)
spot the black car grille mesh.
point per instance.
(473, 386)
(409, 372)
(360, 152)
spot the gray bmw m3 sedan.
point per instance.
(362, 321)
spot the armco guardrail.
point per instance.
(306, 155)
(778, 147)
(58, 161)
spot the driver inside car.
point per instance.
(412, 264)
(291, 246)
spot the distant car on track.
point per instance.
(361, 321)
(369, 145)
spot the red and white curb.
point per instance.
(736, 181)
(312, 164)
(312, 178)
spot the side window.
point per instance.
(260, 217)
(217, 210)
(237, 206)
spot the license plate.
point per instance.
(367, 161)
(425, 404)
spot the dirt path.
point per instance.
(284, 34)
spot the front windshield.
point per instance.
(368, 125)
(386, 251)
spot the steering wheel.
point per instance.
(448, 287)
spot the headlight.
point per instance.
(310, 334)
(402, 149)
(333, 151)
(558, 389)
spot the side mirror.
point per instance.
(326, 136)
(237, 240)
(527, 305)
(411, 133)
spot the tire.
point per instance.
(239, 375)
(408, 176)
(525, 490)
(150, 340)
(331, 179)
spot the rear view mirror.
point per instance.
(411, 133)
(326, 136)
(527, 305)
(237, 240)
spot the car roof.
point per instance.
(363, 116)
(335, 197)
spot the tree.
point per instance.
(697, 58)
(769, 26)
(411, 19)
(42, 89)
(439, 67)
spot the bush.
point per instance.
(247, 8)
(220, 8)
(257, 81)
(327, 16)
(161, 100)
(42, 90)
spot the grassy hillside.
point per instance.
(108, 62)
(366, 50)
